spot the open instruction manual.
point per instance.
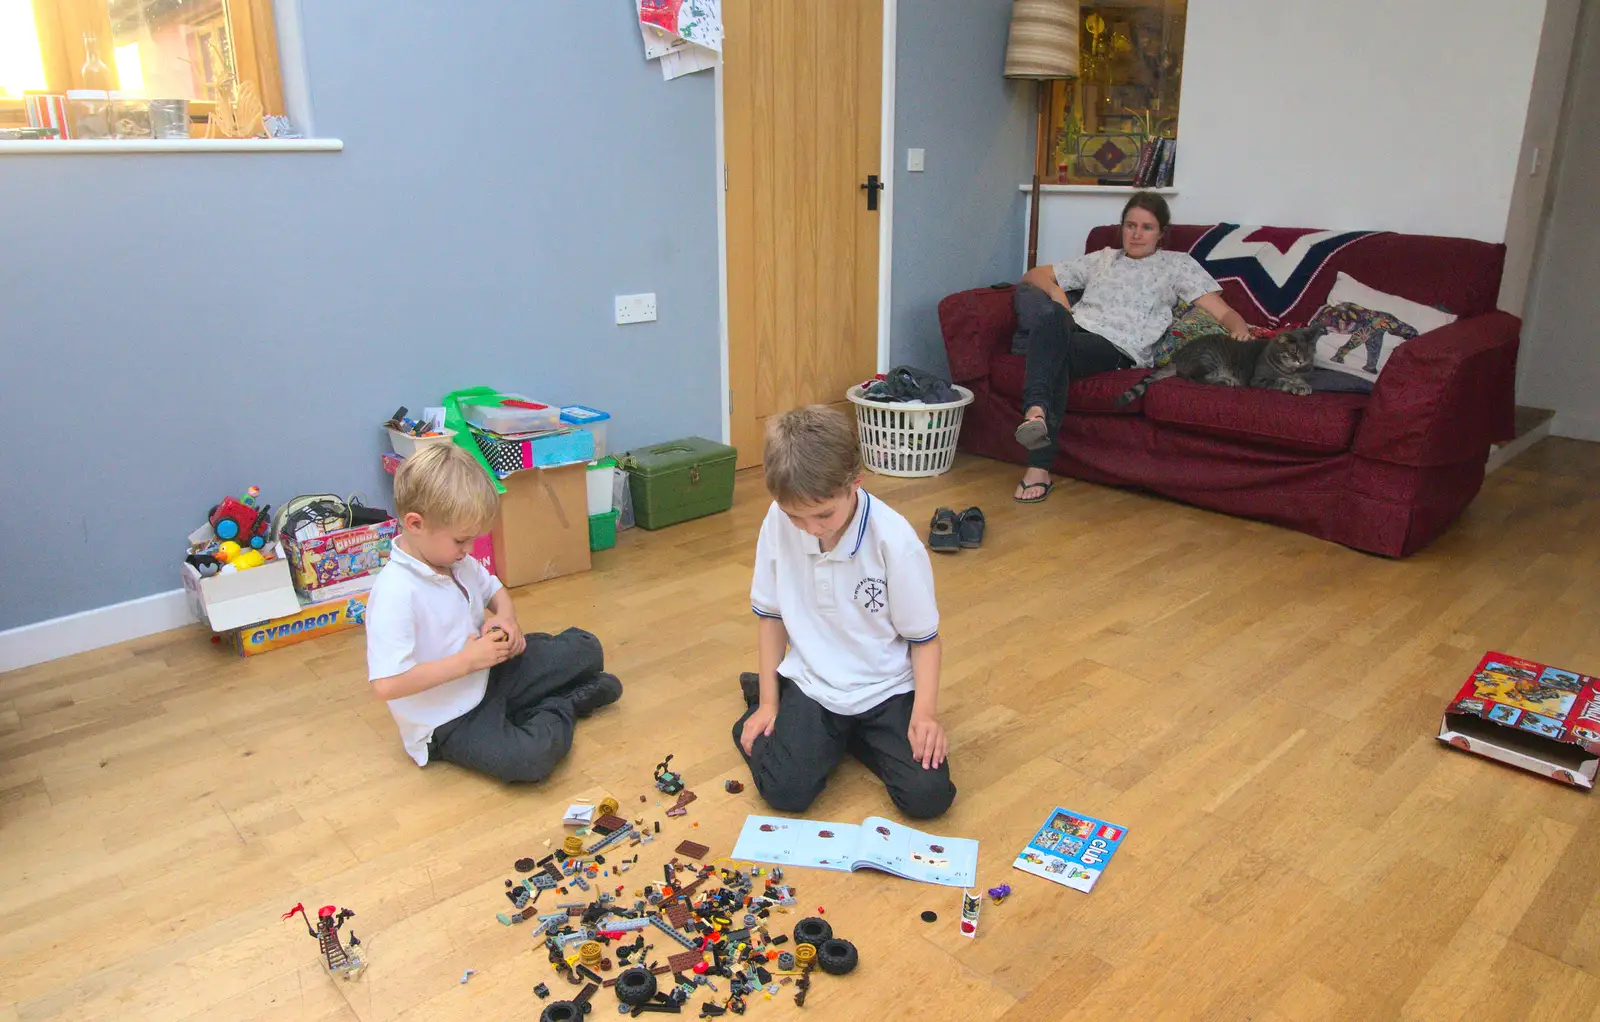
(874, 843)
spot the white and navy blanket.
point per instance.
(1274, 265)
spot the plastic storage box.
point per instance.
(591, 419)
(674, 482)
(600, 489)
(405, 445)
(603, 531)
(508, 414)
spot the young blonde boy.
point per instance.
(847, 630)
(443, 645)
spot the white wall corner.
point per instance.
(93, 629)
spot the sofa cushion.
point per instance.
(1088, 394)
(1315, 424)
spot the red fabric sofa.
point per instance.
(1386, 472)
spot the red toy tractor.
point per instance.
(246, 525)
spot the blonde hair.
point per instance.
(810, 455)
(447, 487)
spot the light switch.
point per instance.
(914, 159)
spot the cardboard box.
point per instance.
(241, 597)
(543, 528)
(1542, 719)
(322, 565)
(314, 621)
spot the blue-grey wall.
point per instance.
(176, 327)
(956, 224)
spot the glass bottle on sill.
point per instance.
(89, 107)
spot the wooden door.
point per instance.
(802, 84)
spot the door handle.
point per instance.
(873, 187)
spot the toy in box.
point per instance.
(318, 619)
(1528, 715)
(333, 564)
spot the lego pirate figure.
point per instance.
(340, 960)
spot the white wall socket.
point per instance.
(636, 308)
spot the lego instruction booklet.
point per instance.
(875, 843)
(1071, 849)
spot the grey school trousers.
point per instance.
(523, 726)
(790, 767)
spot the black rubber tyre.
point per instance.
(812, 930)
(635, 985)
(563, 1011)
(836, 956)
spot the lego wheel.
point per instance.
(836, 956)
(812, 930)
(563, 1011)
(635, 985)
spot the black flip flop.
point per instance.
(942, 536)
(1048, 486)
(969, 526)
(1033, 434)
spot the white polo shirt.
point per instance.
(851, 613)
(416, 615)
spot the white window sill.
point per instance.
(78, 146)
(1096, 189)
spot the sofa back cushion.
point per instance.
(1459, 275)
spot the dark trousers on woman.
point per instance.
(1059, 351)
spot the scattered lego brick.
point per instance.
(693, 849)
(608, 823)
(684, 961)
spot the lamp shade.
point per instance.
(1044, 39)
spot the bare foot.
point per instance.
(1035, 482)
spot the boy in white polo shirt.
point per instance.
(443, 646)
(847, 630)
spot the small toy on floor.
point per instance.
(336, 957)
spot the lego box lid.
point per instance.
(1529, 715)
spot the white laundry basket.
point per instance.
(908, 438)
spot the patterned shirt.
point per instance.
(1129, 301)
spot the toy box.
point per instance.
(677, 481)
(320, 563)
(323, 618)
(242, 597)
(1528, 715)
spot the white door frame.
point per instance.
(886, 167)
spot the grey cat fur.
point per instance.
(1279, 363)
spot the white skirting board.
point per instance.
(92, 629)
(1499, 454)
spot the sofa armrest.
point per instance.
(977, 325)
(1444, 397)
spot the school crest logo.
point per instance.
(872, 593)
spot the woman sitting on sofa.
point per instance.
(1128, 298)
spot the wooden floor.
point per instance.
(1258, 707)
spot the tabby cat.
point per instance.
(1279, 363)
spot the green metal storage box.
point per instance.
(680, 480)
